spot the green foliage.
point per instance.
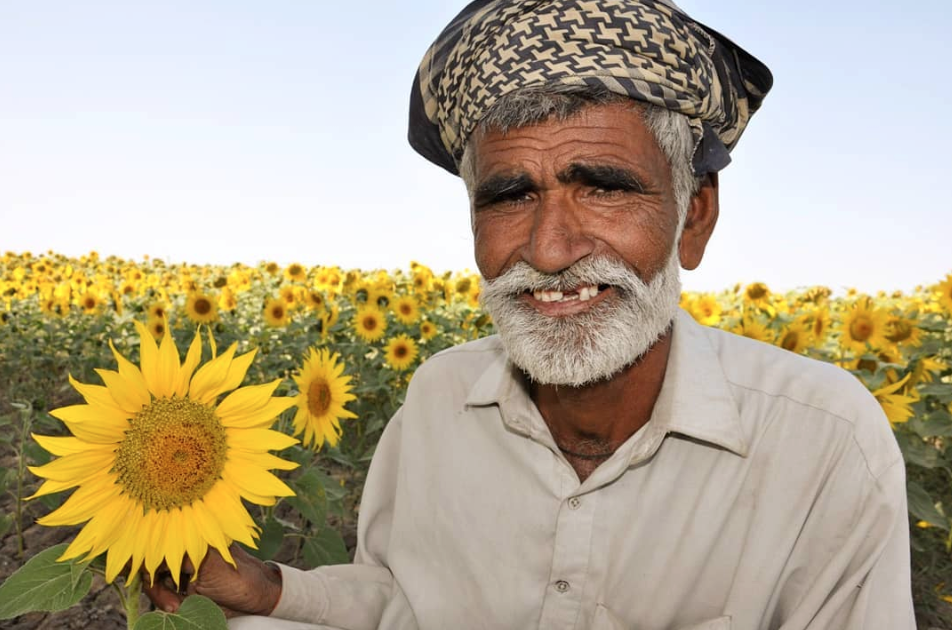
(44, 584)
(195, 613)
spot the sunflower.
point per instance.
(706, 310)
(158, 310)
(276, 312)
(944, 289)
(295, 272)
(863, 326)
(160, 465)
(90, 302)
(157, 327)
(315, 300)
(428, 330)
(324, 392)
(753, 329)
(201, 308)
(406, 310)
(227, 300)
(369, 323)
(903, 331)
(400, 352)
(795, 337)
(896, 405)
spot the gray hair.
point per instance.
(533, 105)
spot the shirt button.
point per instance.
(562, 586)
(575, 503)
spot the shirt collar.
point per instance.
(695, 398)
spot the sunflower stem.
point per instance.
(129, 596)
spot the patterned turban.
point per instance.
(648, 50)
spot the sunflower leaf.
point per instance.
(327, 547)
(195, 613)
(43, 584)
(922, 507)
(272, 535)
(311, 499)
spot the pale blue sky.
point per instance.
(216, 132)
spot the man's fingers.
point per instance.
(163, 597)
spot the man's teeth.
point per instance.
(584, 294)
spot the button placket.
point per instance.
(562, 586)
(575, 503)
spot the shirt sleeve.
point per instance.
(865, 584)
(353, 596)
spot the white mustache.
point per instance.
(522, 277)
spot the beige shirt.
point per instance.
(766, 492)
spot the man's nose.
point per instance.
(558, 238)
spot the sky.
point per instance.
(238, 131)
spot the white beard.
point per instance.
(594, 345)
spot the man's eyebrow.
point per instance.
(602, 176)
(500, 187)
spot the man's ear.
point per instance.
(699, 223)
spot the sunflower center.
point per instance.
(203, 306)
(400, 352)
(318, 397)
(861, 328)
(173, 453)
(370, 323)
(790, 340)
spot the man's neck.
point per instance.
(588, 423)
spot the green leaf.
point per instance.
(327, 547)
(195, 613)
(311, 499)
(43, 584)
(922, 507)
(942, 391)
(916, 451)
(936, 424)
(6, 522)
(272, 535)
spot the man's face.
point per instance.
(583, 207)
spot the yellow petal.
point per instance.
(258, 439)
(195, 546)
(232, 517)
(266, 461)
(94, 424)
(174, 546)
(60, 445)
(211, 532)
(124, 392)
(237, 370)
(148, 357)
(206, 384)
(245, 399)
(120, 551)
(78, 466)
(262, 417)
(49, 487)
(153, 551)
(83, 504)
(191, 362)
(96, 395)
(254, 480)
(167, 368)
(131, 372)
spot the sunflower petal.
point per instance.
(167, 368)
(211, 532)
(257, 440)
(148, 358)
(60, 446)
(192, 359)
(131, 372)
(93, 423)
(259, 418)
(237, 370)
(232, 517)
(79, 466)
(174, 547)
(255, 480)
(206, 384)
(250, 398)
(195, 546)
(124, 392)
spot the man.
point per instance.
(604, 462)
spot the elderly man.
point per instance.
(604, 462)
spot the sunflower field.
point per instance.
(286, 376)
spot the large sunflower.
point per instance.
(400, 352)
(276, 312)
(324, 392)
(406, 309)
(159, 464)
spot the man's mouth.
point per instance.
(582, 294)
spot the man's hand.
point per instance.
(253, 589)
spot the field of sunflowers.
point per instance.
(304, 366)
